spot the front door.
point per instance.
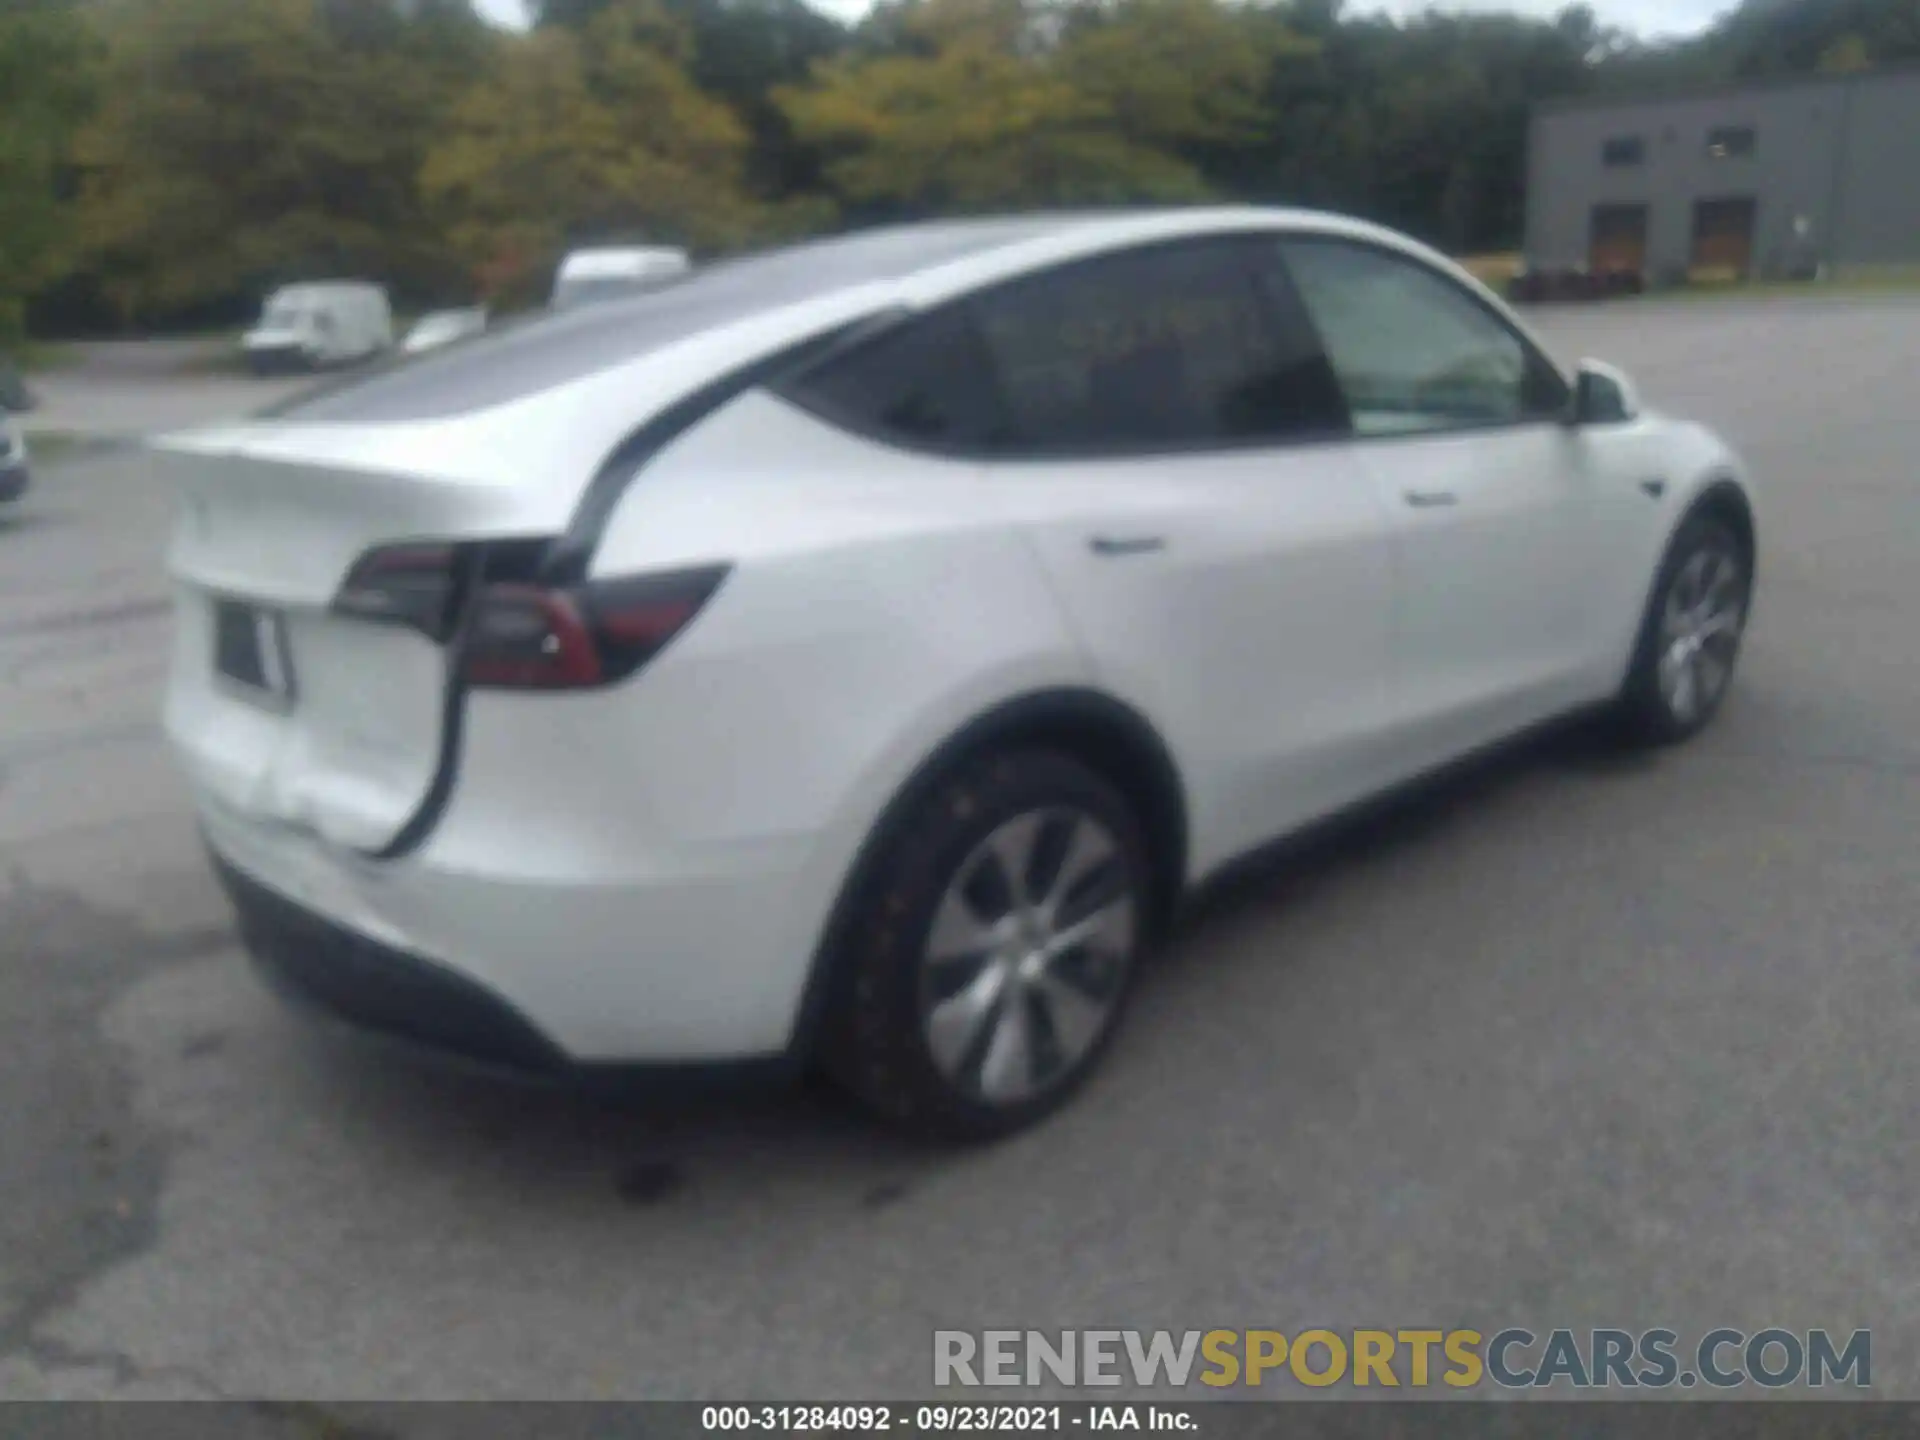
(1458, 425)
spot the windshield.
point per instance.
(284, 315)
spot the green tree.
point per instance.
(1189, 75)
(1764, 38)
(1421, 124)
(247, 142)
(743, 51)
(45, 70)
(1846, 56)
(572, 13)
(595, 135)
(241, 142)
(985, 104)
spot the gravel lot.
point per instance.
(1579, 1041)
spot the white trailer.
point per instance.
(587, 276)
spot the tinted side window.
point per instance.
(1162, 348)
(927, 383)
(1413, 350)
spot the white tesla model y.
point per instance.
(853, 653)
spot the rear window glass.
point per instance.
(929, 383)
(534, 354)
(1164, 347)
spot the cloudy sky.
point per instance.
(1647, 17)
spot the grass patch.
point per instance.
(1790, 289)
(1866, 280)
(1879, 277)
(46, 447)
(37, 357)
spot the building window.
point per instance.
(1730, 142)
(1624, 150)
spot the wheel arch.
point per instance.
(1725, 499)
(1106, 734)
(1719, 495)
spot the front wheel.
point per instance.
(990, 961)
(1690, 637)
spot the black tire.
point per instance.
(1647, 711)
(878, 1034)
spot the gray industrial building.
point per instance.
(1819, 175)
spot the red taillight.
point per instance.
(410, 585)
(520, 634)
(529, 637)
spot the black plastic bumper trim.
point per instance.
(376, 987)
(433, 1011)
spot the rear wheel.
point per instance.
(990, 961)
(1690, 637)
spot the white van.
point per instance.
(308, 327)
(587, 276)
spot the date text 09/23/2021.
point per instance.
(935, 1419)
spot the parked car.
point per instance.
(587, 276)
(15, 463)
(859, 660)
(313, 326)
(443, 327)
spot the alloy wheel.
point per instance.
(1028, 955)
(1700, 630)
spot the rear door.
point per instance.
(1177, 455)
(1458, 424)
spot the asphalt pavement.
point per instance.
(123, 389)
(1580, 1040)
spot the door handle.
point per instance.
(1431, 499)
(1112, 545)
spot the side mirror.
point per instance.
(1603, 395)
